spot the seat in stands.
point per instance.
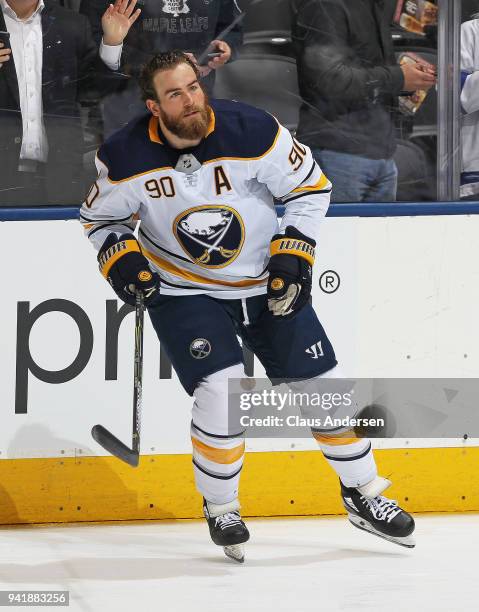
(266, 81)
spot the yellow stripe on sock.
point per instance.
(219, 455)
(340, 439)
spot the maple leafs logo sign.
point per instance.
(175, 7)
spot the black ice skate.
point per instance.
(370, 511)
(226, 528)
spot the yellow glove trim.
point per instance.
(113, 254)
(293, 246)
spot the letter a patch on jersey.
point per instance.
(316, 351)
(221, 180)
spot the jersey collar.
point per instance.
(154, 129)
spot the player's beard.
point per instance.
(189, 128)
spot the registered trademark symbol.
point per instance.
(329, 281)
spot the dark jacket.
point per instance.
(188, 25)
(348, 76)
(71, 66)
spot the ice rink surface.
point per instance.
(298, 565)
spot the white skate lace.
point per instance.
(227, 520)
(382, 508)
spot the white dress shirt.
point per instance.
(26, 42)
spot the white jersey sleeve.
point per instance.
(292, 175)
(110, 206)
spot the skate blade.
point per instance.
(235, 552)
(407, 541)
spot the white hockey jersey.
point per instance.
(207, 214)
(470, 106)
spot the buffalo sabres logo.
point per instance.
(200, 348)
(212, 236)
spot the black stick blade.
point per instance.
(115, 446)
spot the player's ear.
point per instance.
(154, 107)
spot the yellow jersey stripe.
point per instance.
(153, 130)
(196, 278)
(321, 184)
(129, 178)
(212, 123)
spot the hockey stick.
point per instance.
(102, 435)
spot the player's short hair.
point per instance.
(161, 61)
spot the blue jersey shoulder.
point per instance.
(133, 150)
(241, 130)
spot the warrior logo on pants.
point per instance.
(212, 236)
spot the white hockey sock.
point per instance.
(217, 452)
(352, 461)
(349, 456)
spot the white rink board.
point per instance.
(406, 306)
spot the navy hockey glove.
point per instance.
(290, 272)
(126, 268)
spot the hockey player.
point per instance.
(213, 264)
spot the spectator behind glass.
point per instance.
(189, 25)
(48, 59)
(470, 108)
(349, 82)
